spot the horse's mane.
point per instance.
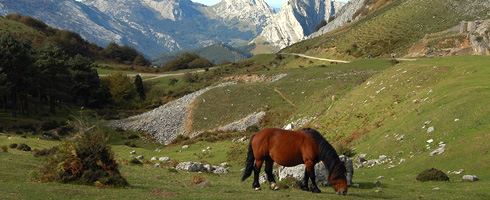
(327, 154)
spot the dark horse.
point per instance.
(291, 148)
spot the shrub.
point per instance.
(129, 144)
(179, 139)
(88, 159)
(252, 128)
(13, 145)
(344, 150)
(44, 152)
(46, 126)
(4, 148)
(65, 130)
(197, 179)
(135, 161)
(24, 147)
(432, 174)
(237, 152)
(133, 136)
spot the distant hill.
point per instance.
(216, 53)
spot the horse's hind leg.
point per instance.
(310, 168)
(304, 185)
(269, 163)
(258, 165)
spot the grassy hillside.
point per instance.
(18, 29)
(393, 28)
(216, 53)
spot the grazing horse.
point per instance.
(291, 148)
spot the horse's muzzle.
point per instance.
(342, 192)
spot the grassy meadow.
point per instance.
(369, 122)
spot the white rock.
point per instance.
(158, 165)
(430, 129)
(470, 178)
(153, 158)
(430, 141)
(185, 146)
(140, 157)
(164, 159)
(132, 152)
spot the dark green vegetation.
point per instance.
(216, 53)
(187, 61)
(432, 174)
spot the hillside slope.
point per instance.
(393, 28)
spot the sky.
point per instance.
(273, 3)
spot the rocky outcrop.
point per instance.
(252, 12)
(342, 17)
(296, 20)
(166, 122)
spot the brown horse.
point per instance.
(291, 148)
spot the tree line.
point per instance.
(31, 78)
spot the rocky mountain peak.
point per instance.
(296, 20)
(255, 12)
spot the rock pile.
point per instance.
(199, 167)
(166, 122)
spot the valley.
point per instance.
(398, 87)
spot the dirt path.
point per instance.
(316, 58)
(156, 76)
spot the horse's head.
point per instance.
(338, 179)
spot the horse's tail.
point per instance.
(249, 166)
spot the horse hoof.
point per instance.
(274, 186)
(316, 190)
(257, 188)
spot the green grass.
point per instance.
(150, 182)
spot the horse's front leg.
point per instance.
(310, 168)
(304, 185)
(258, 166)
(269, 163)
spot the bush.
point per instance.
(13, 145)
(344, 150)
(88, 159)
(197, 179)
(179, 139)
(135, 161)
(24, 147)
(432, 174)
(46, 126)
(133, 136)
(4, 148)
(129, 144)
(65, 130)
(44, 152)
(253, 128)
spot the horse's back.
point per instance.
(287, 148)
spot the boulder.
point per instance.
(164, 159)
(153, 158)
(191, 166)
(220, 170)
(140, 157)
(470, 178)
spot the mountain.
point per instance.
(151, 26)
(343, 16)
(255, 14)
(216, 53)
(296, 20)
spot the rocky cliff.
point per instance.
(296, 20)
(343, 16)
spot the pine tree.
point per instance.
(139, 87)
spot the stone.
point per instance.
(349, 166)
(381, 177)
(132, 152)
(382, 157)
(220, 170)
(224, 164)
(439, 150)
(430, 141)
(400, 138)
(164, 159)
(203, 184)
(140, 157)
(191, 166)
(153, 158)
(470, 178)
(158, 165)
(185, 146)
(290, 126)
(430, 129)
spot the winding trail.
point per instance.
(316, 58)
